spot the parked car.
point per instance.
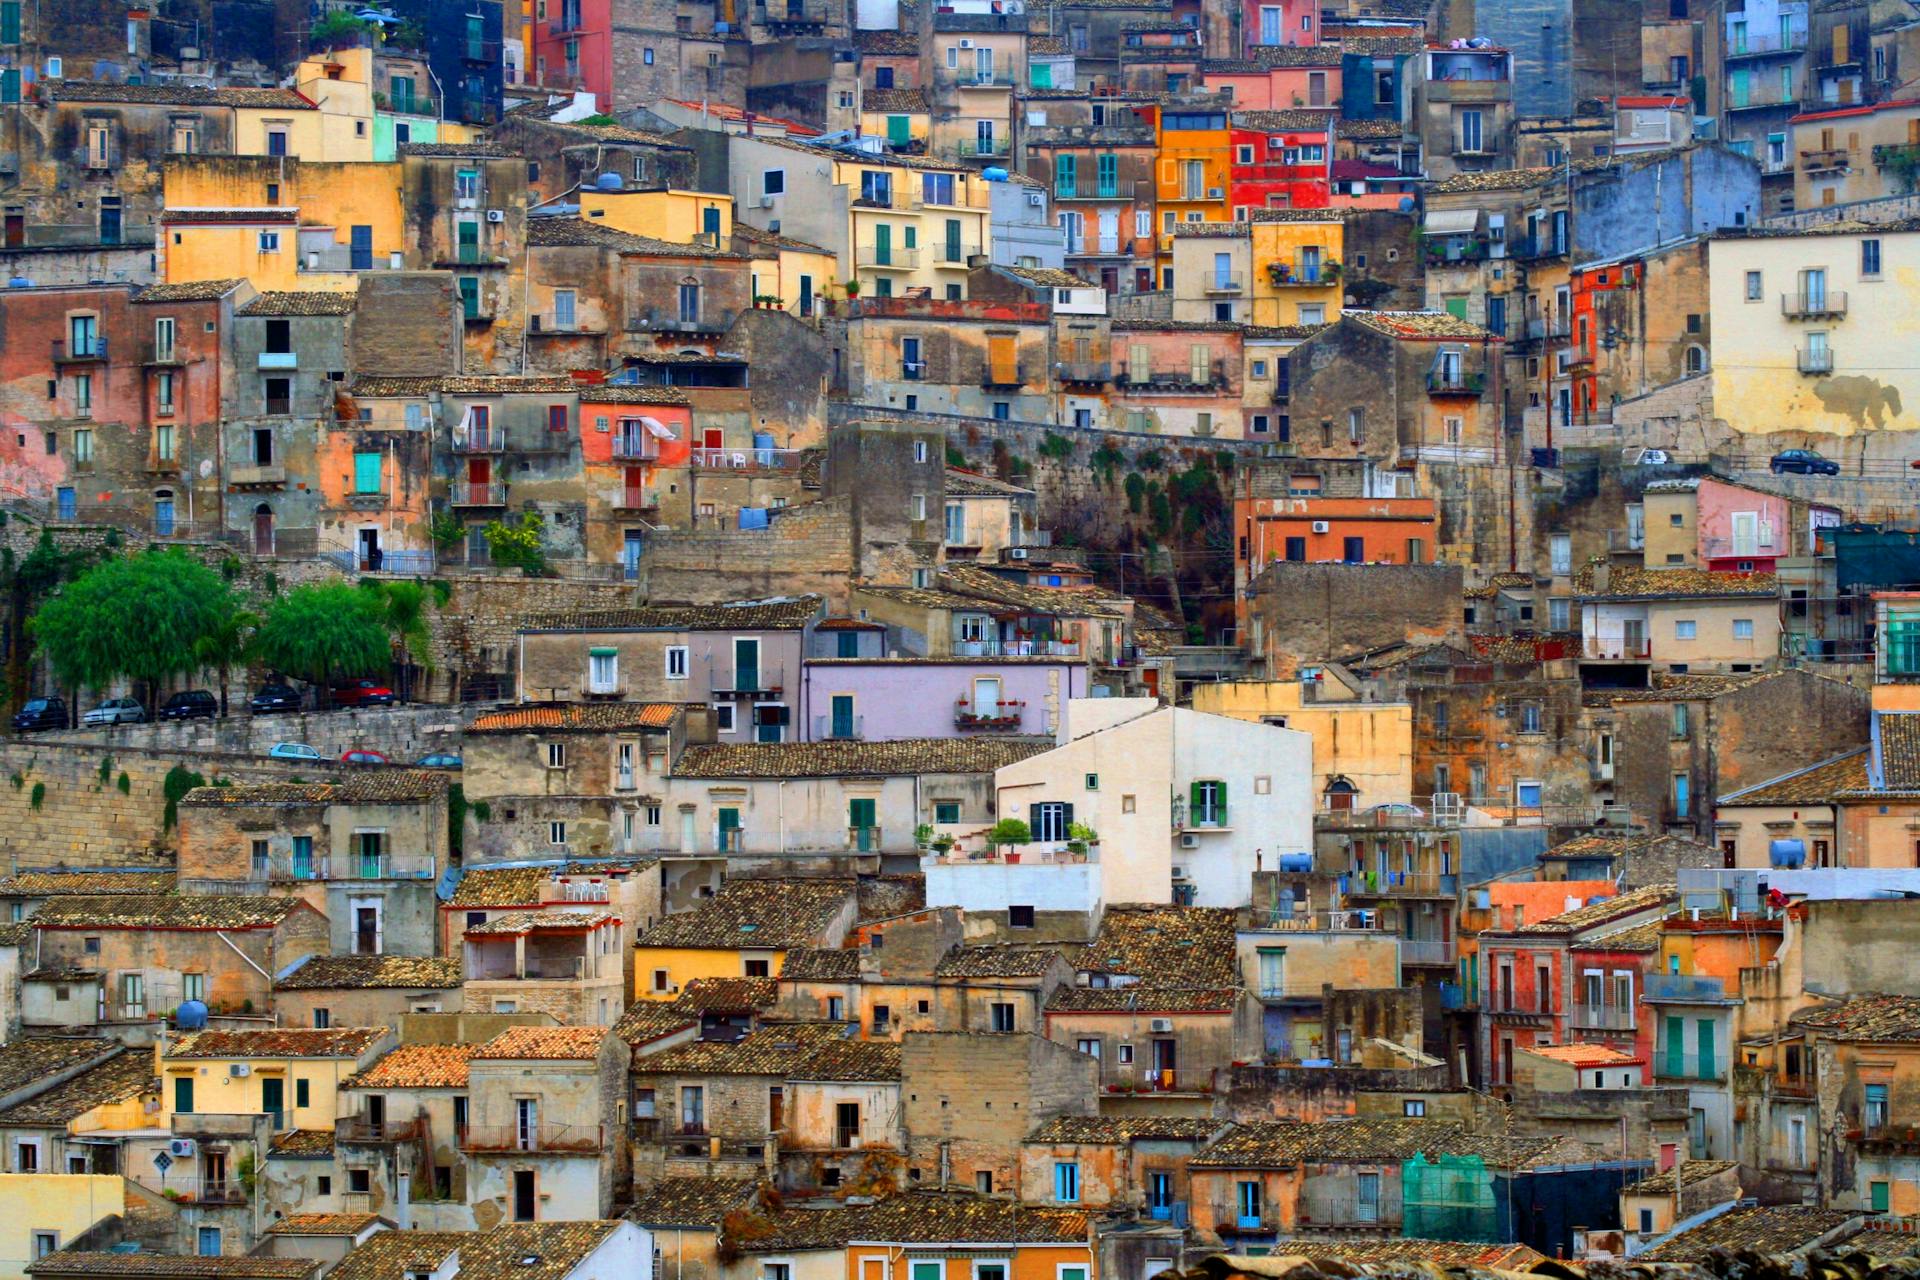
(275, 696)
(190, 704)
(361, 755)
(293, 751)
(116, 711)
(1803, 461)
(42, 713)
(440, 760)
(361, 693)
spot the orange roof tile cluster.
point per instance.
(417, 1066)
(553, 1044)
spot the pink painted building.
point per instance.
(1286, 22)
(1291, 78)
(1743, 530)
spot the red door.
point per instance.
(479, 475)
(712, 443)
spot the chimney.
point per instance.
(1602, 576)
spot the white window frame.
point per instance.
(603, 672)
(676, 662)
(557, 832)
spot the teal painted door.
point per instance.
(860, 816)
(746, 664)
(273, 1100)
(1703, 1030)
(842, 726)
(1676, 1045)
(882, 244)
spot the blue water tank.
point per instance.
(609, 182)
(994, 173)
(1787, 852)
(190, 1016)
(1296, 862)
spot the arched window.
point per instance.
(1696, 359)
(1340, 793)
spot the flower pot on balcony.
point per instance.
(1013, 855)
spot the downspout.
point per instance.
(222, 935)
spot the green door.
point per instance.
(882, 244)
(746, 665)
(842, 726)
(860, 817)
(1880, 1197)
(183, 1095)
(729, 828)
(1703, 1030)
(273, 1100)
(953, 241)
(470, 297)
(1676, 1046)
(469, 241)
(899, 130)
(1456, 307)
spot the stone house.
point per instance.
(978, 358)
(636, 444)
(402, 1122)
(24, 893)
(881, 699)
(1693, 621)
(448, 191)
(548, 1111)
(745, 930)
(80, 1106)
(999, 987)
(366, 990)
(564, 153)
(1179, 377)
(686, 1216)
(151, 953)
(1150, 1038)
(1803, 805)
(967, 611)
(632, 889)
(841, 1117)
(1136, 1163)
(366, 851)
(935, 1228)
(962, 1135)
(572, 779)
(563, 962)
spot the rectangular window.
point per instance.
(1743, 628)
(366, 472)
(1066, 1182)
(676, 662)
(1869, 257)
(1685, 629)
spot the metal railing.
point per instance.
(1827, 303)
(1815, 360)
(1084, 371)
(361, 1129)
(1617, 650)
(1514, 1002)
(748, 459)
(1393, 884)
(1426, 951)
(993, 147)
(1225, 284)
(1684, 988)
(1004, 714)
(1603, 1017)
(490, 440)
(1825, 159)
(1461, 383)
(673, 320)
(1688, 1066)
(764, 680)
(636, 499)
(887, 258)
(824, 729)
(1015, 649)
(346, 258)
(563, 1138)
(1760, 44)
(94, 350)
(641, 448)
(1172, 379)
(469, 493)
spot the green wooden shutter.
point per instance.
(1220, 805)
(1109, 175)
(1193, 804)
(1041, 75)
(366, 472)
(1063, 176)
(899, 130)
(10, 22)
(183, 1095)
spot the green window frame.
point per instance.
(9, 21)
(367, 472)
(1065, 176)
(1109, 171)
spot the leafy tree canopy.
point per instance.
(324, 630)
(145, 617)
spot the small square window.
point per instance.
(1093, 782)
(360, 1181)
(1020, 916)
(1126, 804)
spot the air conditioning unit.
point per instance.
(1179, 873)
(966, 44)
(239, 1069)
(496, 215)
(1162, 1025)
(1321, 526)
(1189, 841)
(1216, 193)
(1016, 553)
(766, 202)
(181, 1147)
(1036, 199)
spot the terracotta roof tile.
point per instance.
(126, 1075)
(372, 972)
(820, 964)
(1631, 583)
(1764, 1228)
(304, 302)
(691, 1202)
(154, 911)
(1896, 755)
(229, 216)
(856, 759)
(174, 95)
(1679, 688)
(1418, 324)
(727, 995)
(1141, 998)
(1370, 129)
(1873, 1018)
(1285, 1144)
(1050, 277)
(189, 291)
(564, 231)
(1120, 1130)
(1579, 1055)
(923, 1218)
(1284, 121)
(1403, 1254)
(888, 43)
(323, 1224)
(648, 1020)
(1190, 946)
(562, 920)
(502, 1253)
(545, 1043)
(416, 1066)
(631, 393)
(372, 786)
(787, 613)
(392, 1255)
(334, 1042)
(231, 1266)
(1692, 1171)
(1606, 909)
(895, 101)
(762, 914)
(303, 1144)
(775, 1049)
(578, 717)
(1007, 960)
(467, 385)
(457, 150)
(36, 884)
(1493, 180)
(501, 887)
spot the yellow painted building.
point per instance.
(43, 1212)
(662, 973)
(294, 1075)
(674, 216)
(284, 224)
(1297, 257)
(1192, 171)
(795, 272)
(1370, 744)
(1812, 332)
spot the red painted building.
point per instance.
(1281, 160)
(1272, 22)
(573, 47)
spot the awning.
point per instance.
(1452, 222)
(604, 652)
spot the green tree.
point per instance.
(518, 545)
(144, 617)
(339, 28)
(1009, 831)
(403, 606)
(225, 646)
(323, 631)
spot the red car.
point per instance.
(361, 693)
(360, 755)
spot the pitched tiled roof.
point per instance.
(1279, 121)
(1692, 1171)
(545, 1043)
(559, 231)
(416, 1066)
(894, 43)
(631, 393)
(1678, 688)
(898, 757)
(726, 995)
(174, 95)
(1380, 46)
(1873, 1018)
(36, 884)
(231, 1266)
(189, 291)
(501, 887)
(784, 613)
(467, 150)
(229, 216)
(1118, 1130)
(1629, 582)
(1896, 743)
(1763, 1228)
(774, 1049)
(1493, 180)
(1284, 1144)
(1418, 324)
(1051, 278)
(1009, 960)
(1579, 1055)
(323, 1224)
(1370, 129)
(532, 1250)
(820, 964)
(334, 1042)
(895, 101)
(1596, 913)
(557, 921)
(691, 1202)
(124, 1076)
(374, 786)
(372, 972)
(393, 1255)
(834, 1059)
(648, 1020)
(758, 238)
(304, 302)
(769, 914)
(1189, 946)
(1141, 998)
(156, 911)
(578, 717)
(303, 1144)
(476, 384)
(923, 1218)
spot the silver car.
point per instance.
(116, 711)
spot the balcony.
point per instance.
(1084, 371)
(1617, 649)
(863, 839)
(886, 258)
(1458, 382)
(1685, 988)
(210, 1191)
(1766, 45)
(1427, 951)
(557, 1139)
(1815, 360)
(1400, 884)
(641, 448)
(983, 150)
(341, 258)
(628, 498)
(1506, 1004)
(1443, 250)
(1439, 91)
(214, 1126)
(747, 459)
(955, 256)
(1826, 160)
(677, 320)
(969, 79)
(1173, 381)
(548, 325)
(1001, 377)
(1225, 285)
(1535, 248)
(568, 24)
(752, 685)
(891, 198)
(791, 15)
(156, 356)
(1688, 1066)
(1455, 997)
(1015, 649)
(1002, 716)
(488, 440)
(361, 1130)
(1810, 306)
(825, 730)
(1602, 1017)
(94, 352)
(481, 493)
(1905, 155)
(1765, 98)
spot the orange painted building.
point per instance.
(1348, 530)
(631, 438)
(1194, 176)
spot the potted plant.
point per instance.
(1080, 837)
(853, 287)
(942, 844)
(922, 836)
(1007, 833)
